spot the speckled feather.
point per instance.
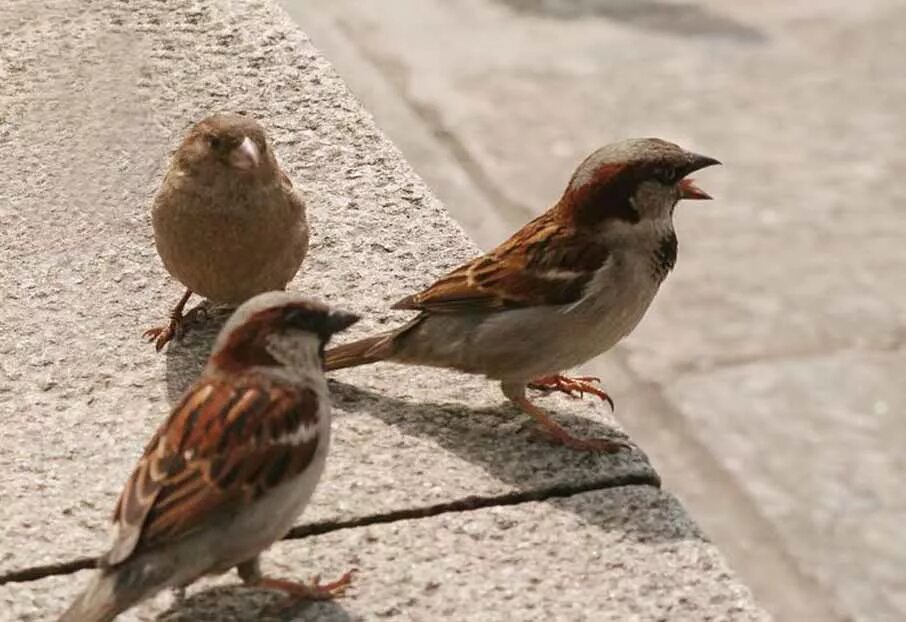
(226, 443)
(549, 261)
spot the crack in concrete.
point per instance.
(465, 504)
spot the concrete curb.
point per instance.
(95, 93)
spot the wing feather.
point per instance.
(225, 443)
(544, 263)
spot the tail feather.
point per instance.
(98, 603)
(362, 352)
(112, 590)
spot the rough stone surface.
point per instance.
(94, 96)
(87, 127)
(622, 554)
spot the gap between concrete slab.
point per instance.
(466, 504)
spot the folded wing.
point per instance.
(224, 444)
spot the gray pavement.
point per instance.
(766, 381)
(435, 489)
(607, 555)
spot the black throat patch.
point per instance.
(664, 257)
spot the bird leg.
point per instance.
(571, 386)
(314, 590)
(250, 573)
(553, 431)
(179, 323)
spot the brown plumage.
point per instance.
(227, 222)
(566, 287)
(231, 468)
(219, 448)
(524, 271)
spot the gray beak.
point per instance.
(688, 190)
(337, 321)
(697, 162)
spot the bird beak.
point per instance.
(337, 321)
(246, 156)
(688, 190)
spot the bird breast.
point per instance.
(272, 515)
(229, 254)
(524, 343)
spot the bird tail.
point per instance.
(362, 352)
(99, 602)
(112, 590)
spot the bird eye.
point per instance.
(665, 174)
(294, 317)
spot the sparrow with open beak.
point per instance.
(227, 223)
(232, 467)
(563, 289)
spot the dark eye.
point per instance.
(216, 142)
(665, 174)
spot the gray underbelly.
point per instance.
(522, 344)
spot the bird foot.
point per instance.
(571, 386)
(177, 328)
(314, 590)
(559, 436)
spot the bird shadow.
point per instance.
(676, 18)
(501, 439)
(502, 442)
(243, 604)
(187, 357)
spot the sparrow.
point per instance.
(227, 223)
(563, 289)
(232, 467)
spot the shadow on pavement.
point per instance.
(502, 442)
(241, 604)
(186, 358)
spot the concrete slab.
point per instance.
(94, 96)
(623, 554)
(840, 511)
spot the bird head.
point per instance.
(278, 329)
(226, 142)
(633, 180)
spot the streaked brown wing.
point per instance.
(544, 263)
(225, 443)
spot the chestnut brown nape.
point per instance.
(605, 184)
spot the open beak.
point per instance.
(688, 189)
(246, 156)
